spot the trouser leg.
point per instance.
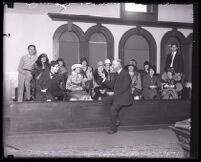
(28, 86)
(114, 115)
(20, 91)
(107, 103)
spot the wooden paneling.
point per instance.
(66, 116)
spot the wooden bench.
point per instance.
(36, 117)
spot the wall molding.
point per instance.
(118, 21)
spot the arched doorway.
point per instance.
(138, 44)
(99, 44)
(168, 38)
(68, 43)
(188, 58)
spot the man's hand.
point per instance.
(103, 76)
(102, 91)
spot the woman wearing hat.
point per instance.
(108, 68)
(151, 83)
(145, 68)
(136, 86)
(76, 84)
(99, 88)
(41, 65)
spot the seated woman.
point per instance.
(41, 65)
(108, 68)
(76, 84)
(171, 85)
(87, 73)
(151, 83)
(136, 85)
(62, 69)
(99, 88)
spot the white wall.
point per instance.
(176, 13)
(38, 29)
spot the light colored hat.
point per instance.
(107, 61)
(76, 66)
(100, 63)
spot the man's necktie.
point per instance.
(171, 65)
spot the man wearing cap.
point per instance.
(174, 60)
(121, 96)
(51, 84)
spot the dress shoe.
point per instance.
(111, 131)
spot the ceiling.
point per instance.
(37, 8)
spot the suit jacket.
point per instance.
(122, 88)
(55, 86)
(178, 63)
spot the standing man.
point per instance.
(174, 60)
(24, 73)
(121, 96)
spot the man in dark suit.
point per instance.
(51, 84)
(121, 96)
(174, 60)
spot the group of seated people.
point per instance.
(52, 81)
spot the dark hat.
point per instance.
(83, 59)
(43, 55)
(146, 63)
(153, 67)
(126, 67)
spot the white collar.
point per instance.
(119, 71)
(174, 53)
(30, 56)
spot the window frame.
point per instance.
(140, 16)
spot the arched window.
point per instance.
(99, 44)
(136, 47)
(188, 58)
(138, 44)
(68, 43)
(168, 38)
(97, 49)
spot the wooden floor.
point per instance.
(35, 117)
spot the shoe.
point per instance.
(111, 131)
(118, 123)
